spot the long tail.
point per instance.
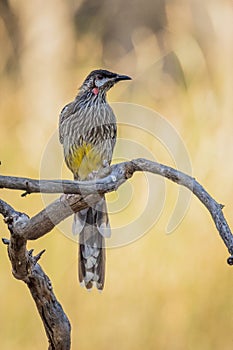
(92, 225)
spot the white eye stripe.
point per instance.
(101, 82)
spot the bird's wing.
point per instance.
(66, 112)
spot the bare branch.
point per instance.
(26, 268)
(106, 184)
(54, 213)
(87, 191)
(77, 196)
(6, 210)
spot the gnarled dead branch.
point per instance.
(77, 196)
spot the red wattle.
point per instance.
(95, 91)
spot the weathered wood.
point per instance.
(77, 196)
(87, 191)
(25, 267)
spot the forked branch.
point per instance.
(77, 196)
(87, 192)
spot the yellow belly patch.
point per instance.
(83, 160)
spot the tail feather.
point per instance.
(94, 224)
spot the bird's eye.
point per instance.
(99, 77)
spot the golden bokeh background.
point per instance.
(162, 291)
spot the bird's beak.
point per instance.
(122, 77)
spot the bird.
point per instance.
(88, 131)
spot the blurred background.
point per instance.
(162, 291)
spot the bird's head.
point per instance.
(99, 81)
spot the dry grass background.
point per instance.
(162, 291)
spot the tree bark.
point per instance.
(77, 196)
(25, 267)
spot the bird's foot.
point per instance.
(106, 163)
(93, 175)
(105, 170)
(66, 196)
